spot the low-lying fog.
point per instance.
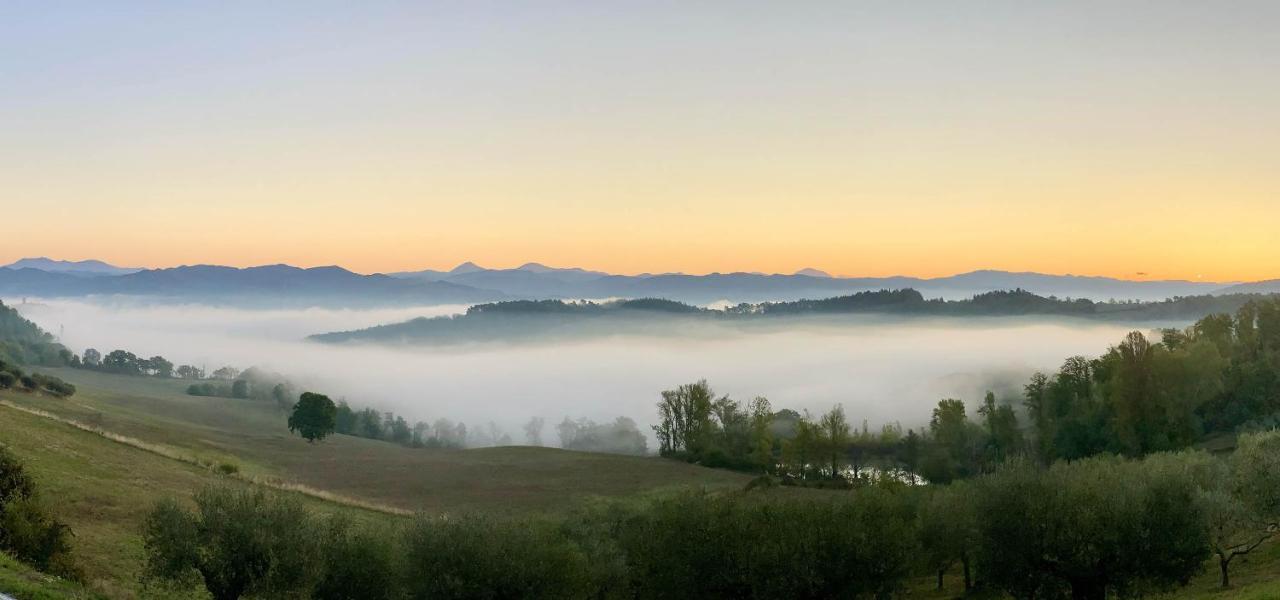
(880, 370)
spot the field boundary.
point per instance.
(183, 457)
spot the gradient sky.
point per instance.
(864, 138)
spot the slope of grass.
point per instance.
(253, 436)
(102, 458)
(23, 583)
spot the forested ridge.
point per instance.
(528, 319)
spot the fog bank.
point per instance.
(881, 370)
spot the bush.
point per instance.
(26, 530)
(1100, 524)
(359, 563)
(228, 468)
(7, 380)
(740, 546)
(239, 542)
(476, 557)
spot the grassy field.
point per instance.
(168, 444)
(21, 582)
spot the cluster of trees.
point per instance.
(619, 437)
(253, 383)
(696, 426)
(1219, 376)
(27, 530)
(390, 427)
(1090, 529)
(13, 377)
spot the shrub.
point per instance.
(476, 557)
(26, 530)
(7, 380)
(737, 546)
(359, 563)
(239, 542)
(228, 468)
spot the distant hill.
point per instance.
(271, 285)
(538, 281)
(1270, 286)
(470, 283)
(86, 268)
(524, 319)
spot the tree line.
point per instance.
(1218, 377)
(1095, 528)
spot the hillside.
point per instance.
(522, 320)
(175, 443)
(22, 342)
(334, 286)
(266, 286)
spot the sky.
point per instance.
(1135, 139)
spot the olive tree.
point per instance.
(238, 542)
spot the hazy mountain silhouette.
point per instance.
(469, 282)
(265, 285)
(88, 268)
(1269, 286)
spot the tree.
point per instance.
(240, 389)
(189, 372)
(157, 366)
(1004, 438)
(122, 362)
(359, 562)
(533, 431)
(1089, 528)
(314, 417)
(400, 431)
(345, 419)
(685, 419)
(762, 433)
(226, 373)
(239, 542)
(92, 358)
(948, 530)
(1242, 502)
(477, 557)
(834, 429)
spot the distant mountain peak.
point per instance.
(466, 267)
(812, 272)
(534, 267)
(75, 267)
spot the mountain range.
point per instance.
(471, 283)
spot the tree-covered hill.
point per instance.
(525, 319)
(22, 341)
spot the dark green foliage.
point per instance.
(121, 362)
(13, 377)
(240, 389)
(1220, 374)
(745, 546)
(313, 416)
(696, 426)
(27, 531)
(209, 388)
(237, 542)
(23, 342)
(1089, 527)
(478, 557)
(360, 563)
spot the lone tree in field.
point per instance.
(314, 416)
